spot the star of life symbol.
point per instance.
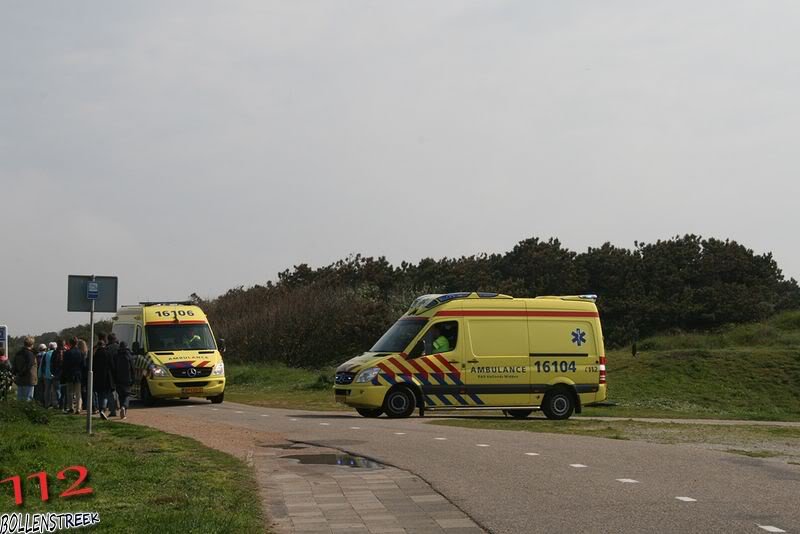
(578, 337)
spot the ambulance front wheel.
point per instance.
(369, 412)
(217, 399)
(558, 404)
(147, 398)
(399, 402)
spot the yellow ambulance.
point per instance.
(175, 352)
(482, 351)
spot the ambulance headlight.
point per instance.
(367, 375)
(156, 371)
(219, 369)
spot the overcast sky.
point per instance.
(198, 146)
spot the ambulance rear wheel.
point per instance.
(369, 412)
(519, 414)
(399, 402)
(558, 404)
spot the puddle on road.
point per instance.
(345, 460)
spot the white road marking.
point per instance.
(264, 415)
(190, 406)
(627, 481)
(770, 528)
(215, 409)
(481, 445)
(577, 465)
(531, 454)
(325, 424)
(292, 419)
(399, 433)
(686, 499)
(441, 439)
(355, 428)
(237, 411)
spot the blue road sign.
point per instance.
(92, 290)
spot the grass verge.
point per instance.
(278, 386)
(749, 440)
(143, 480)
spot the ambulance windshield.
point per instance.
(179, 337)
(397, 338)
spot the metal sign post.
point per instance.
(91, 293)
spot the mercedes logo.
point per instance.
(191, 372)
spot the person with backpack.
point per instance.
(122, 372)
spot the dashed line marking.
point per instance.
(355, 428)
(627, 481)
(577, 465)
(215, 409)
(441, 439)
(292, 419)
(686, 499)
(238, 411)
(325, 424)
(481, 445)
(770, 528)
(531, 454)
(264, 415)
(399, 433)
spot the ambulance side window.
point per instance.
(440, 338)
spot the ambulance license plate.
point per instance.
(189, 391)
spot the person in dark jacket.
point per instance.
(71, 376)
(103, 383)
(123, 375)
(25, 371)
(56, 363)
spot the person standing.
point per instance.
(103, 383)
(71, 375)
(123, 374)
(46, 375)
(112, 345)
(56, 364)
(38, 389)
(84, 350)
(25, 371)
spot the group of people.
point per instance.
(57, 375)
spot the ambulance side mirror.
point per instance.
(221, 345)
(136, 349)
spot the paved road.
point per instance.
(516, 482)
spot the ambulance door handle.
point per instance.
(472, 361)
(453, 361)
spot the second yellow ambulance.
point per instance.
(176, 354)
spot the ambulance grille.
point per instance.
(344, 378)
(183, 372)
(191, 384)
